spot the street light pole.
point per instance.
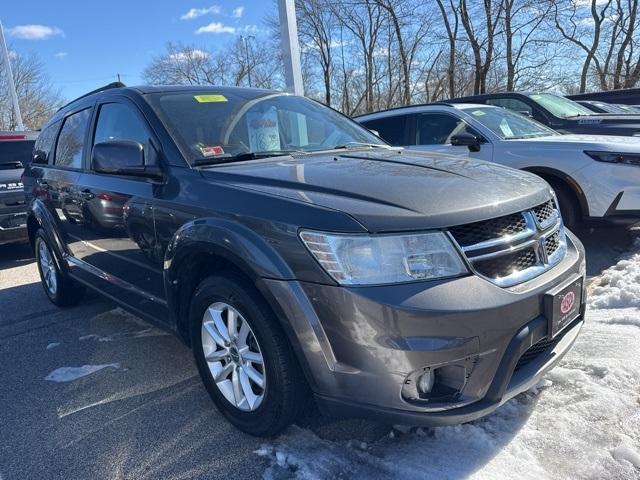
(12, 85)
(245, 40)
(290, 46)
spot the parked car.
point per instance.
(603, 107)
(559, 113)
(297, 254)
(15, 152)
(596, 178)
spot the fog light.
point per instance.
(426, 381)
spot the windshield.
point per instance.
(560, 106)
(508, 125)
(237, 123)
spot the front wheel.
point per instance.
(244, 357)
(62, 291)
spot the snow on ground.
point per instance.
(69, 374)
(581, 422)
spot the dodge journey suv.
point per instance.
(302, 258)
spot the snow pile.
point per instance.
(581, 421)
(69, 374)
(619, 286)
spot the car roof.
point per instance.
(121, 88)
(418, 108)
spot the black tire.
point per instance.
(67, 292)
(568, 204)
(286, 391)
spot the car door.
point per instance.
(433, 132)
(116, 234)
(57, 185)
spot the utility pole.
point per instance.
(245, 40)
(12, 85)
(290, 46)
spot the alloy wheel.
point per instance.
(48, 268)
(233, 356)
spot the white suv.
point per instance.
(596, 178)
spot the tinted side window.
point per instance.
(118, 122)
(46, 139)
(70, 147)
(438, 128)
(511, 104)
(392, 129)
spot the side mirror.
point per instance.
(39, 157)
(122, 157)
(466, 140)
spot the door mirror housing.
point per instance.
(122, 157)
(39, 157)
(466, 140)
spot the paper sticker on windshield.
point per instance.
(212, 151)
(506, 129)
(212, 98)
(264, 134)
(477, 113)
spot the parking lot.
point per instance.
(143, 412)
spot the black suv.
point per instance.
(15, 151)
(301, 257)
(560, 113)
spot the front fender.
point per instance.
(227, 239)
(38, 212)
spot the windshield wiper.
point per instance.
(359, 144)
(243, 156)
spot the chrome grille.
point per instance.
(514, 248)
(546, 214)
(477, 232)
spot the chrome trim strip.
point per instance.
(534, 236)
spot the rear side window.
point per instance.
(511, 104)
(46, 139)
(392, 129)
(15, 153)
(70, 147)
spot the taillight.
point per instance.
(105, 196)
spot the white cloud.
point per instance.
(35, 32)
(216, 27)
(188, 54)
(61, 55)
(237, 12)
(199, 12)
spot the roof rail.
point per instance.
(97, 90)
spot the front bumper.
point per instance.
(359, 346)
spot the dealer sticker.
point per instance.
(212, 151)
(211, 98)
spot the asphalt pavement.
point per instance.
(143, 412)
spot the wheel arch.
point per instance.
(552, 175)
(205, 247)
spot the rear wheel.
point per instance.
(60, 289)
(244, 357)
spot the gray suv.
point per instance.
(301, 258)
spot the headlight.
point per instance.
(613, 157)
(383, 259)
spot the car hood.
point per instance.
(391, 190)
(610, 143)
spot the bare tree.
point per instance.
(451, 26)
(574, 27)
(37, 97)
(621, 65)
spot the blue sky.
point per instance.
(84, 44)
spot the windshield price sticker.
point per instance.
(212, 98)
(264, 132)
